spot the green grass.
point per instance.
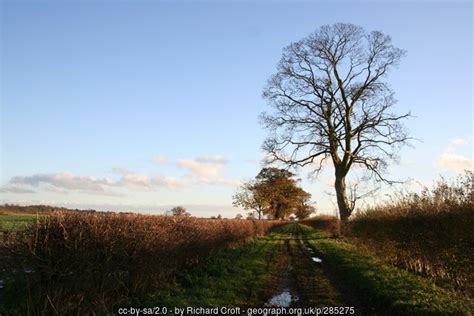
(232, 277)
(15, 221)
(385, 289)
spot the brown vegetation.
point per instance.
(329, 224)
(75, 262)
(428, 233)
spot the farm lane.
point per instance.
(306, 280)
(295, 265)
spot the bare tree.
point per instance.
(331, 102)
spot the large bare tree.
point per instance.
(331, 103)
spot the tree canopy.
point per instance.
(179, 211)
(330, 102)
(274, 192)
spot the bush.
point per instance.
(79, 263)
(428, 233)
(329, 224)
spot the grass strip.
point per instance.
(231, 277)
(385, 289)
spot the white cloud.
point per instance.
(139, 182)
(15, 189)
(454, 162)
(59, 190)
(207, 170)
(203, 167)
(450, 160)
(167, 181)
(65, 181)
(202, 170)
(213, 159)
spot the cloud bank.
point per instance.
(204, 170)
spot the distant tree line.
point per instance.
(14, 208)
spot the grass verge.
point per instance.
(384, 289)
(232, 277)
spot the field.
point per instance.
(411, 256)
(15, 221)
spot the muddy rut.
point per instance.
(305, 279)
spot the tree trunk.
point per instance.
(342, 200)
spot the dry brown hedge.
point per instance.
(85, 261)
(430, 233)
(329, 224)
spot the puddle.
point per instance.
(316, 259)
(283, 299)
(29, 271)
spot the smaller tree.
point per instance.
(239, 216)
(251, 196)
(282, 192)
(304, 208)
(179, 211)
(274, 193)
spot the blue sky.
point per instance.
(143, 105)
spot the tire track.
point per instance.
(307, 280)
(312, 284)
(337, 292)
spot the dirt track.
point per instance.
(305, 279)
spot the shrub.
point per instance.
(428, 233)
(329, 224)
(79, 263)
